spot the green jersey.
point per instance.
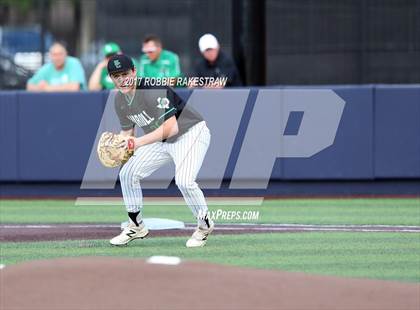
(106, 81)
(167, 65)
(71, 72)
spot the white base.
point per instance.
(158, 224)
(164, 260)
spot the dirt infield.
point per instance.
(116, 283)
(16, 233)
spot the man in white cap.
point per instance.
(215, 63)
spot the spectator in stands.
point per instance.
(215, 63)
(157, 62)
(100, 79)
(63, 73)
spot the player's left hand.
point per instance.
(115, 149)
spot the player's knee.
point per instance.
(123, 173)
(130, 177)
(185, 184)
(126, 174)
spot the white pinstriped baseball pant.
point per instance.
(187, 152)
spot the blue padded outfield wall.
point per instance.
(49, 137)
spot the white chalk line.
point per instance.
(170, 201)
(244, 227)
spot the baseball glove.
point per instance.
(114, 149)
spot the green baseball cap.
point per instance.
(111, 48)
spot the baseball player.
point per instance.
(172, 132)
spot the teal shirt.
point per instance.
(72, 72)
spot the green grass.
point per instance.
(391, 256)
(298, 211)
